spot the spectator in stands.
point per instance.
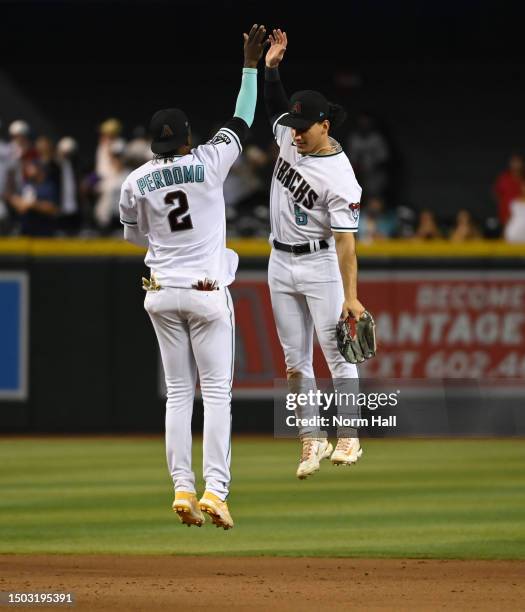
(20, 150)
(508, 186)
(427, 228)
(70, 215)
(45, 150)
(37, 205)
(369, 153)
(108, 189)
(465, 228)
(109, 131)
(246, 194)
(255, 214)
(138, 149)
(515, 228)
(21, 143)
(93, 183)
(375, 222)
(406, 221)
(4, 168)
(241, 182)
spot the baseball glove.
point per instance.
(356, 340)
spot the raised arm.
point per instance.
(219, 153)
(275, 97)
(247, 99)
(254, 45)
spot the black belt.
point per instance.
(298, 249)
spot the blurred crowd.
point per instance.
(45, 189)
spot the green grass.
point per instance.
(417, 498)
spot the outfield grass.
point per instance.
(417, 498)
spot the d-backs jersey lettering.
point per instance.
(311, 195)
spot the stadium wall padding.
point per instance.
(93, 358)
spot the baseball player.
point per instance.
(312, 273)
(174, 205)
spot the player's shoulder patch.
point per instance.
(225, 136)
(219, 138)
(355, 207)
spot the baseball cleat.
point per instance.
(217, 510)
(187, 508)
(347, 451)
(314, 450)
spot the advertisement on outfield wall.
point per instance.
(430, 325)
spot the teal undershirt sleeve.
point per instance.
(247, 98)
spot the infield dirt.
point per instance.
(163, 582)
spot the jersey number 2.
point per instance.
(178, 218)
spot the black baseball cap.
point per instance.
(169, 129)
(306, 108)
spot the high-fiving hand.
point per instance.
(254, 46)
(278, 44)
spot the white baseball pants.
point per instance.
(307, 293)
(196, 334)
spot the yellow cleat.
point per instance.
(216, 509)
(187, 508)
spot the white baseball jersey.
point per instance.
(311, 195)
(178, 204)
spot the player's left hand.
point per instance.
(352, 308)
(254, 46)
(278, 44)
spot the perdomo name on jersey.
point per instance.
(170, 176)
(295, 183)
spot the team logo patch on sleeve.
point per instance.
(220, 137)
(355, 208)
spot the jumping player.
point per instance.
(174, 205)
(312, 274)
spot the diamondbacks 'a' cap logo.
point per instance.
(166, 131)
(296, 108)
